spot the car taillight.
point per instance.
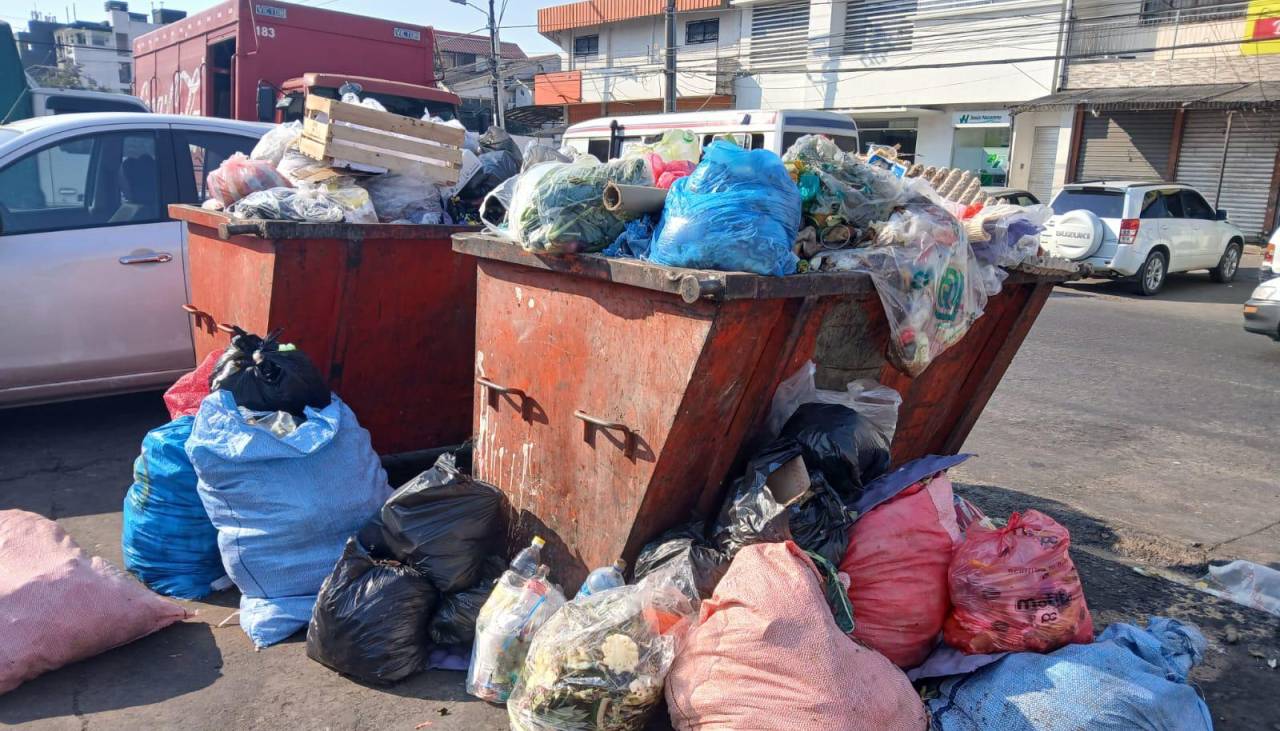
(1129, 230)
(1269, 254)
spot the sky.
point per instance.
(518, 22)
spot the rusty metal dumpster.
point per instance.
(386, 311)
(612, 397)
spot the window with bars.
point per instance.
(702, 31)
(1155, 12)
(878, 27)
(584, 46)
(779, 33)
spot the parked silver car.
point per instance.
(93, 272)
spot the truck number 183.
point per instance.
(266, 31)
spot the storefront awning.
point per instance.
(1249, 95)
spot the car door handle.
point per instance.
(157, 257)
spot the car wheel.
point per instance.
(1152, 273)
(1228, 265)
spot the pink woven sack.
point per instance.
(897, 564)
(184, 396)
(767, 655)
(58, 604)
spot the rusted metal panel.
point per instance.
(388, 316)
(598, 12)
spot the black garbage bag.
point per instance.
(263, 375)
(442, 522)
(495, 168)
(369, 621)
(496, 139)
(779, 499)
(454, 622)
(684, 554)
(846, 448)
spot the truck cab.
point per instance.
(410, 100)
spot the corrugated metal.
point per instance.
(1254, 94)
(779, 33)
(878, 26)
(562, 87)
(1246, 181)
(1044, 155)
(598, 12)
(1125, 146)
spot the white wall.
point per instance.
(1024, 130)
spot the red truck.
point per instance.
(255, 61)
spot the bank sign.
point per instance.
(981, 119)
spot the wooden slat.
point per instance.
(340, 151)
(451, 156)
(338, 111)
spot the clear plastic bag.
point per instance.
(404, 198)
(290, 204)
(536, 152)
(356, 204)
(838, 184)
(274, 143)
(557, 207)
(1006, 235)
(1247, 583)
(600, 662)
(872, 400)
(737, 211)
(679, 144)
(505, 627)
(238, 176)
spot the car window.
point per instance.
(1172, 203)
(1026, 200)
(1154, 205)
(96, 180)
(1102, 202)
(1195, 206)
(200, 153)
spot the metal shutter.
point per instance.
(1125, 146)
(779, 34)
(878, 26)
(1246, 182)
(1044, 156)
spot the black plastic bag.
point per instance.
(370, 619)
(496, 139)
(684, 554)
(454, 622)
(262, 376)
(442, 522)
(846, 448)
(495, 168)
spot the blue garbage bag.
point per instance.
(168, 541)
(1129, 678)
(737, 211)
(284, 506)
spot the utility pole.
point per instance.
(495, 57)
(669, 93)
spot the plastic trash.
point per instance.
(494, 169)
(273, 144)
(60, 605)
(496, 139)
(737, 211)
(1007, 235)
(284, 506)
(1015, 588)
(368, 618)
(184, 396)
(442, 522)
(840, 188)
(167, 540)
(535, 152)
(557, 207)
(454, 622)
(635, 239)
(1130, 678)
(600, 661)
(309, 205)
(603, 579)
(1247, 583)
(765, 654)
(526, 563)
(238, 176)
(897, 565)
(263, 375)
(513, 613)
(837, 441)
(398, 197)
(685, 556)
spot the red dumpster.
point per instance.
(386, 311)
(612, 396)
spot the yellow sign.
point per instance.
(1262, 28)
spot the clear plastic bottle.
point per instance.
(516, 609)
(603, 579)
(525, 564)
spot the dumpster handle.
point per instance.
(495, 390)
(629, 443)
(202, 319)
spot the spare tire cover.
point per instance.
(1073, 235)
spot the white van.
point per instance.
(610, 137)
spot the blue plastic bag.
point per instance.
(737, 211)
(1129, 678)
(168, 541)
(284, 506)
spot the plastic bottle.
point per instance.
(525, 564)
(517, 608)
(603, 579)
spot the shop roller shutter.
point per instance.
(1251, 157)
(1125, 146)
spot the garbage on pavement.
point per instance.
(685, 556)
(265, 375)
(454, 622)
(1128, 678)
(1245, 582)
(59, 605)
(184, 396)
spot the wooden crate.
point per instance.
(334, 130)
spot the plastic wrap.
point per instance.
(684, 555)
(536, 152)
(839, 188)
(238, 176)
(515, 611)
(737, 211)
(400, 198)
(557, 207)
(273, 144)
(599, 663)
(1015, 588)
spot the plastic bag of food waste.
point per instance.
(1130, 678)
(454, 622)
(737, 211)
(264, 375)
(600, 662)
(398, 197)
(470, 140)
(238, 176)
(515, 611)
(368, 620)
(536, 152)
(557, 207)
(686, 556)
(273, 144)
(1015, 588)
(679, 144)
(289, 204)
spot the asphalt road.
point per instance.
(1145, 425)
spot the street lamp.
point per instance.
(495, 56)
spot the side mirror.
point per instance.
(1220, 215)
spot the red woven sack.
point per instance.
(184, 396)
(897, 564)
(766, 655)
(1015, 589)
